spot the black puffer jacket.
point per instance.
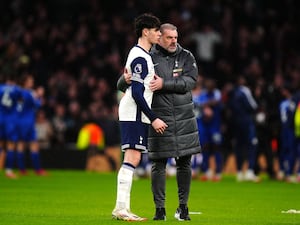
(173, 104)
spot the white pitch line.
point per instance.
(291, 211)
(195, 213)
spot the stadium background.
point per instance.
(76, 50)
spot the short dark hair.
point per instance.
(146, 20)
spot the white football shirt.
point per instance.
(139, 64)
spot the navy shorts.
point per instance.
(134, 135)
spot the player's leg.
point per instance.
(21, 130)
(11, 140)
(124, 183)
(1, 140)
(196, 164)
(21, 157)
(206, 153)
(251, 152)
(133, 143)
(240, 138)
(293, 157)
(218, 163)
(290, 157)
(35, 158)
(205, 167)
(217, 140)
(10, 160)
(2, 136)
(283, 156)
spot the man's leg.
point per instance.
(158, 185)
(184, 177)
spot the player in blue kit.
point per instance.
(135, 114)
(243, 107)
(287, 137)
(30, 102)
(209, 105)
(10, 94)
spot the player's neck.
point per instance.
(145, 44)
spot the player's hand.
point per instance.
(159, 125)
(127, 76)
(156, 83)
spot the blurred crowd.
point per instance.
(76, 51)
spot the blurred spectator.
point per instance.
(206, 40)
(44, 130)
(60, 125)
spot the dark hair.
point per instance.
(10, 76)
(146, 20)
(24, 77)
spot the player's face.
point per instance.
(29, 83)
(168, 40)
(154, 35)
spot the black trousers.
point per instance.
(158, 180)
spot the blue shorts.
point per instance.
(26, 131)
(209, 133)
(8, 130)
(134, 135)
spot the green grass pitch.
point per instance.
(83, 198)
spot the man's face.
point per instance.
(168, 40)
(154, 35)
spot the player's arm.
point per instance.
(248, 99)
(38, 96)
(137, 93)
(139, 70)
(216, 100)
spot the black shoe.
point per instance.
(182, 213)
(160, 214)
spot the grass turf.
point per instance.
(79, 197)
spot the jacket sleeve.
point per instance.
(187, 80)
(121, 84)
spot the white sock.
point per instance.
(125, 176)
(127, 200)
